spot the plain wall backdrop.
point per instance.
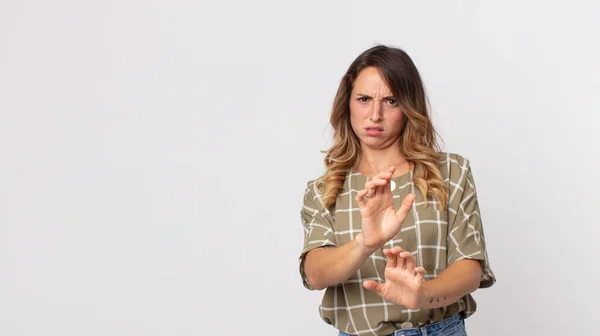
(154, 156)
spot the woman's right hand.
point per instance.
(380, 220)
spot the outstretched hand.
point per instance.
(403, 281)
(380, 220)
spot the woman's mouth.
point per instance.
(374, 130)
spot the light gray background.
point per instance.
(154, 156)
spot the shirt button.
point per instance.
(392, 185)
(406, 325)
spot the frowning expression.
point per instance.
(375, 115)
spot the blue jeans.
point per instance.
(452, 326)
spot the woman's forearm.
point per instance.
(453, 283)
(326, 267)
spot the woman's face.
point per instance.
(375, 115)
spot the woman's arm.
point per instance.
(326, 266)
(456, 281)
(404, 282)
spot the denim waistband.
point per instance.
(443, 327)
(447, 326)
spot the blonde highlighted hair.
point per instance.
(418, 139)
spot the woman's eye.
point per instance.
(362, 99)
(391, 101)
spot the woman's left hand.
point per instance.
(403, 282)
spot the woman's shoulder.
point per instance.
(452, 165)
(314, 204)
(452, 158)
(312, 186)
(312, 193)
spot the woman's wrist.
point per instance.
(359, 239)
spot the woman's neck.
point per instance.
(373, 162)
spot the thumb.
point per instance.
(374, 286)
(406, 206)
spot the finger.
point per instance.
(410, 261)
(381, 190)
(385, 189)
(391, 170)
(370, 188)
(376, 182)
(406, 206)
(391, 258)
(385, 174)
(360, 198)
(376, 186)
(420, 273)
(400, 262)
(374, 286)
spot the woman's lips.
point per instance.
(374, 131)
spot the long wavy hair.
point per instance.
(418, 140)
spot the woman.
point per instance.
(392, 229)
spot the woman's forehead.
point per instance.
(370, 81)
